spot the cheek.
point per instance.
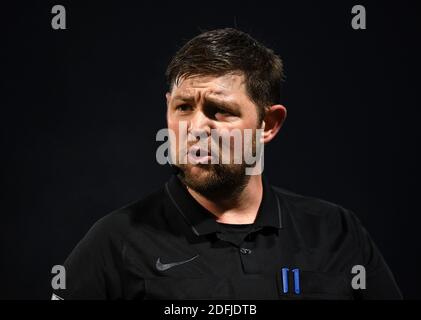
(249, 118)
(173, 125)
(178, 140)
(253, 119)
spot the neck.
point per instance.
(240, 208)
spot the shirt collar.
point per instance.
(203, 222)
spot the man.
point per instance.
(214, 231)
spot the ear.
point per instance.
(274, 118)
(168, 96)
(168, 99)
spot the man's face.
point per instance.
(208, 103)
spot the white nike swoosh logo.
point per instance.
(165, 266)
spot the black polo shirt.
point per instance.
(168, 246)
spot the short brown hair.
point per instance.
(222, 51)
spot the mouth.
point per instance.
(197, 155)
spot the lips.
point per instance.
(197, 155)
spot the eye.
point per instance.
(222, 112)
(183, 108)
(224, 115)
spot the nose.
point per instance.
(200, 125)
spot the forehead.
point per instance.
(221, 86)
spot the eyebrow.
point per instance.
(187, 96)
(209, 101)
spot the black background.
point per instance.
(80, 109)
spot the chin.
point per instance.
(198, 173)
(197, 176)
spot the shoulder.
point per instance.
(115, 226)
(306, 204)
(318, 216)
